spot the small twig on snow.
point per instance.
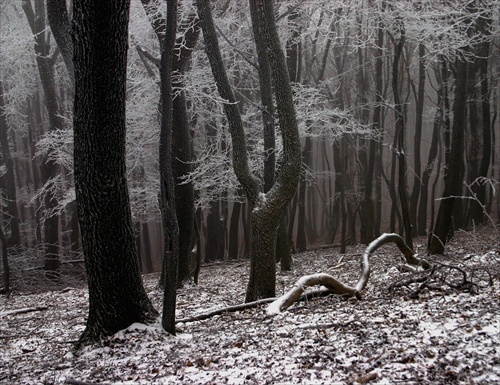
(24, 310)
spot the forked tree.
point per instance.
(116, 294)
(267, 206)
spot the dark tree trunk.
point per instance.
(267, 214)
(417, 178)
(9, 177)
(167, 184)
(182, 156)
(116, 294)
(301, 242)
(182, 146)
(60, 25)
(400, 137)
(211, 234)
(234, 231)
(452, 182)
(5, 263)
(49, 168)
(478, 206)
(432, 156)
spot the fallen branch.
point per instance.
(333, 286)
(336, 287)
(410, 257)
(234, 308)
(229, 309)
(23, 311)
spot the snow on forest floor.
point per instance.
(437, 337)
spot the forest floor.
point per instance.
(432, 332)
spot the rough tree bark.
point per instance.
(116, 294)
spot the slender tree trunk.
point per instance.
(400, 135)
(49, 168)
(167, 184)
(431, 158)
(9, 177)
(234, 231)
(5, 263)
(479, 189)
(417, 178)
(452, 180)
(301, 243)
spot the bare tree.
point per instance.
(267, 207)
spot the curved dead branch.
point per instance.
(289, 298)
(410, 257)
(336, 287)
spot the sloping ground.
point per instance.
(436, 335)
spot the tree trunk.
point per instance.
(419, 111)
(49, 168)
(234, 231)
(267, 208)
(400, 137)
(167, 184)
(5, 263)
(479, 189)
(266, 214)
(60, 25)
(182, 144)
(422, 228)
(10, 185)
(301, 242)
(452, 182)
(116, 294)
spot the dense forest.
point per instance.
(396, 103)
(148, 136)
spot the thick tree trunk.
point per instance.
(116, 294)
(267, 213)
